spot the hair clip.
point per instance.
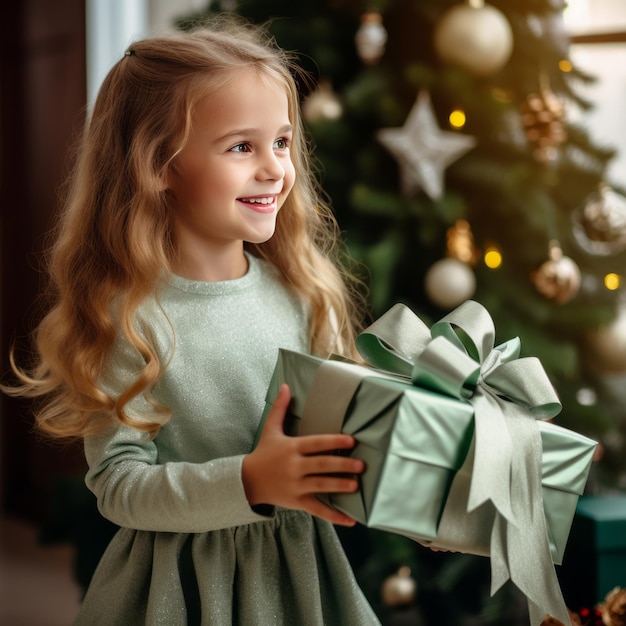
(129, 53)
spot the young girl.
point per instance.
(192, 246)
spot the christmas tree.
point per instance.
(442, 134)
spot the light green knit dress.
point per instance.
(191, 550)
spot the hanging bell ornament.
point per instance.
(542, 118)
(371, 38)
(559, 277)
(322, 104)
(599, 226)
(399, 589)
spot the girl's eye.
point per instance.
(281, 144)
(241, 147)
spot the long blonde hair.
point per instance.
(114, 237)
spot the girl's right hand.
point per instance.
(289, 471)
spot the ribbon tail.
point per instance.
(527, 547)
(491, 478)
(500, 569)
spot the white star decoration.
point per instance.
(423, 150)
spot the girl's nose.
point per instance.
(270, 167)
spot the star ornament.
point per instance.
(423, 150)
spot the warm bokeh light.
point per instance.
(457, 118)
(501, 95)
(612, 281)
(493, 258)
(565, 65)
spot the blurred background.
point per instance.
(511, 190)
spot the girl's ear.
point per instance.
(164, 182)
(168, 178)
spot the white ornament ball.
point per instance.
(449, 282)
(478, 39)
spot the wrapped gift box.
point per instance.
(595, 561)
(413, 442)
(452, 432)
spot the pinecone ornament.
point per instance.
(552, 621)
(543, 116)
(613, 609)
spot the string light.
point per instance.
(565, 65)
(457, 118)
(612, 281)
(492, 258)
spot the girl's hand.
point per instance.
(289, 471)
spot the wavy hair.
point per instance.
(114, 238)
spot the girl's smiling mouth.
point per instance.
(261, 204)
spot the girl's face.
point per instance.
(234, 173)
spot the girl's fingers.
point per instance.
(329, 484)
(314, 444)
(315, 507)
(331, 464)
(276, 416)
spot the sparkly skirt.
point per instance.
(290, 571)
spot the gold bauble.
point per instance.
(558, 278)
(322, 104)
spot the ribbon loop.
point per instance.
(442, 367)
(474, 320)
(391, 342)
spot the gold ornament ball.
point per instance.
(558, 278)
(605, 348)
(322, 104)
(476, 38)
(399, 589)
(449, 282)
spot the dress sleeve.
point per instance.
(135, 490)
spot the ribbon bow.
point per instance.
(499, 484)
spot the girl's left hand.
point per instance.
(290, 471)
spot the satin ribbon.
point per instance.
(500, 480)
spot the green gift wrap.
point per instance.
(451, 431)
(595, 562)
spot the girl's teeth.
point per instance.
(260, 200)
